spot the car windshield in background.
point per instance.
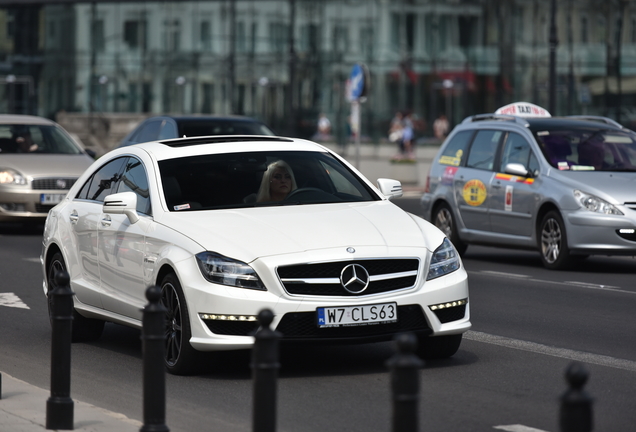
(195, 127)
(233, 180)
(35, 139)
(588, 149)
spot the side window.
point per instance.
(456, 149)
(149, 132)
(104, 182)
(516, 150)
(484, 149)
(135, 180)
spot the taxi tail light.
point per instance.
(427, 187)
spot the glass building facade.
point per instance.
(286, 61)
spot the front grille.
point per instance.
(451, 314)
(41, 208)
(54, 183)
(323, 279)
(304, 326)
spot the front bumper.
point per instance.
(19, 203)
(595, 234)
(221, 317)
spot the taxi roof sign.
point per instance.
(523, 109)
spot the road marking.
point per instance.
(34, 260)
(517, 428)
(538, 348)
(502, 274)
(565, 283)
(12, 300)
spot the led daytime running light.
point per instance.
(221, 317)
(449, 304)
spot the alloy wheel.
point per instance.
(174, 324)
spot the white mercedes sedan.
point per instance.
(230, 225)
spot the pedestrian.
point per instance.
(440, 127)
(396, 133)
(324, 127)
(407, 138)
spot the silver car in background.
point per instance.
(519, 178)
(39, 162)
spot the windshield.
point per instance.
(588, 149)
(256, 179)
(35, 139)
(200, 127)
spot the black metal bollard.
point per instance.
(404, 366)
(576, 405)
(153, 336)
(59, 406)
(265, 368)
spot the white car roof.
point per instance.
(183, 147)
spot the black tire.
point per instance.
(438, 347)
(444, 220)
(553, 242)
(180, 357)
(83, 329)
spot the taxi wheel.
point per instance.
(438, 347)
(555, 253)
(83, 329)
(443, 219)
(180, 356)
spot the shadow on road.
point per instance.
(29, 228)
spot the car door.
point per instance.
(471, 182)
(513, 197)
(84, 215)
(123, 247)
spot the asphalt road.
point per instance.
(529, 324)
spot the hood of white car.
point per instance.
(248, 234)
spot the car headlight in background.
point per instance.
(227, 271)
(11, 176)
(445, 260)
(595, 204)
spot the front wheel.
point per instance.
(555, 253)
(83, 329)
(180, 357)
(444, 220)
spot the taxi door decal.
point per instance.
(475, 192)
(508, 202)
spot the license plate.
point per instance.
(50, 199)
(345, 316)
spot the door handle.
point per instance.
(74, 217)
(106, 221)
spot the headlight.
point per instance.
(11, 176)
(227, 271)
(445, 260)
(595, 204)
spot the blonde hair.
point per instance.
(263, 191)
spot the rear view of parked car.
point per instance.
(39, 162)
(520, 178)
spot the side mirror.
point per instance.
(390, 188)
(122, 203)
(517, 169)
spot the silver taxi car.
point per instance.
(520, 178)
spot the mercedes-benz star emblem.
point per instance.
(354, 278)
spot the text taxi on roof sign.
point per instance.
(521, 178)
